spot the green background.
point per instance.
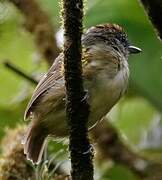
(137, 116)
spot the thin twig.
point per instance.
(19, 72)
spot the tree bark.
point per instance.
(77, 107)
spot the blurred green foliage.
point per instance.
(135, 113)
(116, 172)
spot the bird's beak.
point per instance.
(134, 50)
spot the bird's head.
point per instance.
(110, 39)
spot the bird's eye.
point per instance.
(121, 37)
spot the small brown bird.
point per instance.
(105, 74)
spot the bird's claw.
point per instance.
(86, 96)
(89, 151)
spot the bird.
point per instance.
(105, 53)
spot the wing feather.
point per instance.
(49, 80)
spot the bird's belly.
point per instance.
(102, 98)
(106, 96)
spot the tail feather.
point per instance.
(34, 143)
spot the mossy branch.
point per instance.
(38, 23)
(77, 107)
(111, 146)
(13, 163)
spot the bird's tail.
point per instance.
(34, 143)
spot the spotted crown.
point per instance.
(107, 33)
(111, 28)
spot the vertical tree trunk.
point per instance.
(77, 107)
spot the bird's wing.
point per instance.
(50, 78)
